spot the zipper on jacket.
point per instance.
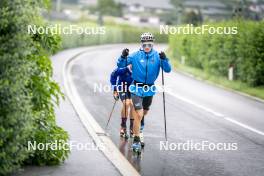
(146, 70)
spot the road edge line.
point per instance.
(217, 114)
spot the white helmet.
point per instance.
(146, 37)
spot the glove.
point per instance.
(162, 55)
(125, 53)
(115, 95)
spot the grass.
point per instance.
(219, 80)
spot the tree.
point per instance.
(109, 7)
(179, 9)
(192, 18)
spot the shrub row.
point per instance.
(28, 94)
(216, 53)
(113, 34)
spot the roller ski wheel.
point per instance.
(136, 147)
(142, 139)
(142, 145)
(123, 133)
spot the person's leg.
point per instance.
(131, 119)
(124, 113)
(142, 124)
(123, 121)
(147, 101)
(137, 113)
(125, 108)
(130, 114)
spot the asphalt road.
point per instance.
(196, 112)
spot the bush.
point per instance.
(215, 53)
(250, 51)
(46, 94)
(27, 92)
(16, 121)
(50, 134)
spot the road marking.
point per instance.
(196, 104)
(244, 126)
(216, 113)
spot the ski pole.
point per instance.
(164, 103)
(125, 94)
(110, 115)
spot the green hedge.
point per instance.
(114, 33)
(28, 94)
(215, 53)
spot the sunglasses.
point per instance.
(147, 45)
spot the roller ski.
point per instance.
(136, 146)
(141, 133)
(141, 138)
(123, 133)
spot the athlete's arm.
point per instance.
(119, 62)
(123, 58)
(122, 71)
(164, 61)
(113, 79)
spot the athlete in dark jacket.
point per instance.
(120, 79)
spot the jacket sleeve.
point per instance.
(113, 79)
(119, 62)
(122, 71)
(129, 59)
(115, 74)
(165, 65)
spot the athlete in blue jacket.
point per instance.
(146, 64)
(121, 63)
(120, 80)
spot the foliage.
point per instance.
(27, 92)
(193, 18)
(109, 7)
(113, 34)
(215, 53)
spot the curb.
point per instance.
(98, 135)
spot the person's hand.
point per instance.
(115, 95)
(162, 55)
(125, 53)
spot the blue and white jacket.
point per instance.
(145, 69)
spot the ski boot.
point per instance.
(136, 146)
(123, 133)
(142, 136)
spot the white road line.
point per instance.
(244, 126)
(195, 104)
(216, 113)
